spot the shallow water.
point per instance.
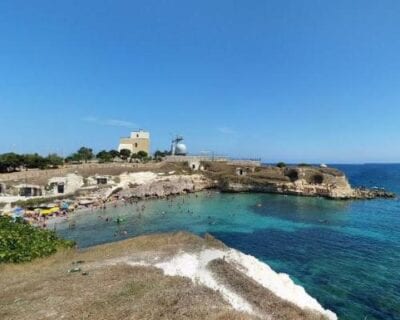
(345, 253)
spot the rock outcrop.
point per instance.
(162, 186)
(303, 181)
(364, 193)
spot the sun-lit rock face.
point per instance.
(162, 186)
(305, 181)
(208, 262)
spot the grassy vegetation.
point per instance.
(21, 242)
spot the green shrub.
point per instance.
(304, 165)
(281, 165)
(21, 242)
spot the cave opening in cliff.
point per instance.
(293, 175)
(317, 179)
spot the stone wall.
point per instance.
(236, 162)
(36, 173)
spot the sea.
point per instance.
(346, 254)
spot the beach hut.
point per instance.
(29, 190)
(101, 180)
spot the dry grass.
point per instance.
(41, 177)
(44, 289)
(225, 172)
(116, 292)
(261, 298)
(270, 176)
(270, 173)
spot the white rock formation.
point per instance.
(194, 265)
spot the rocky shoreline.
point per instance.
(307, 181)
(163, 186)
(298, 181)
(309, 191)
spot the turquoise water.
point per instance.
(345, 253)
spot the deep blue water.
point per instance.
(345, 253)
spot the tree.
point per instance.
(10, 162)
(160, 154)
(75, 157)
(125, 153)
(34, 160)
(142, 154)
(85, 153)
(104, 156)
(114, 153)
(54, 160)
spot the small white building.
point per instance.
(194, 164)
(29, 190)
(243, 171)
(100, 180)
(68, 184)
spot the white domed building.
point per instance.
(178, 148)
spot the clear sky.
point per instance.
(299, 80)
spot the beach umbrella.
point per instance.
(64, 205)
(17, 212)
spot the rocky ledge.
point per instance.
(300, 180)
(143, 185)
(365, 193)
(297, 180)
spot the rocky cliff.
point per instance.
(162, 186)
(300, 180)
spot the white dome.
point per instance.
(180, 149)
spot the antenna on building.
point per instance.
(177, 147)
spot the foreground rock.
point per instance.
(168, 276)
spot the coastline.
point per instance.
(145, 192)
(142, 185)
(180, 257)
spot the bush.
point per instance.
(281, 165)
(21, 242)
(304, 165)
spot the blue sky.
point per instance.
(298, 81)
